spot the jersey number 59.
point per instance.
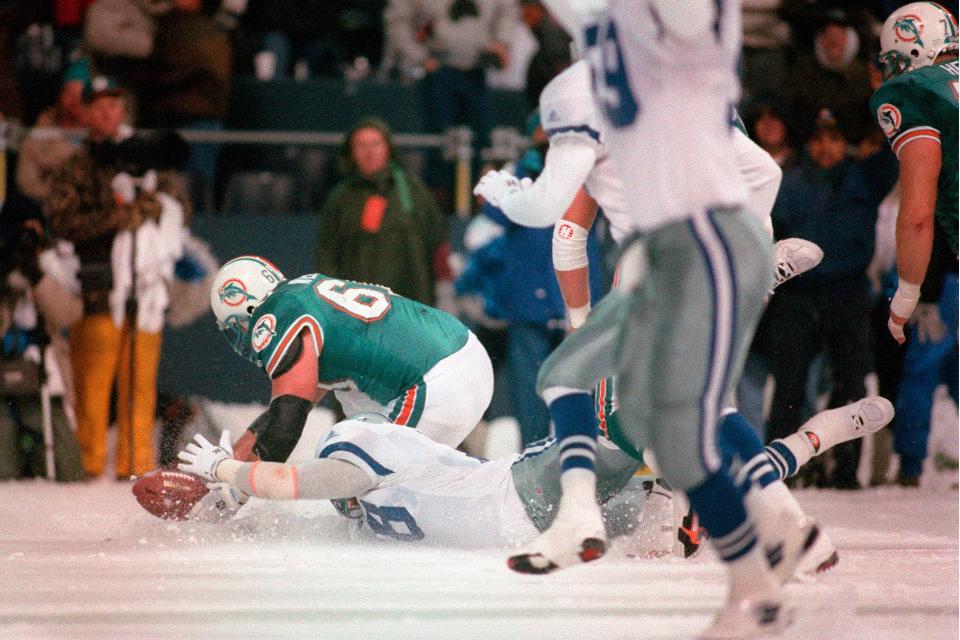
(610, 82)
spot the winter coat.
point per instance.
(397, 250)
(420, 29)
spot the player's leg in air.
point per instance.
(761, 475)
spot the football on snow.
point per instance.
(169, 495)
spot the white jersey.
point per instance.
(425, 491)
(665, 83)
(567, 110)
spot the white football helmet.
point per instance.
(240, 286)
(914, 35)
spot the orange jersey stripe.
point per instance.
(290, 335)
(409, 398)
(914, 134)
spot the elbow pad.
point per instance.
(570, 246)
(279, 428)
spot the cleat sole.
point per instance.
(524, 564)
(592, 549)
(829, 563)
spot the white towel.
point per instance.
(159, 246)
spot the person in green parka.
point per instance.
(380, 223)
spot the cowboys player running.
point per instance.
(916, 108)
(377, 351)
(664, 78)
(578, 147)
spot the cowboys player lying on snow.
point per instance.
(411, 488)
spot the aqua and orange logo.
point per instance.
(909, 28)
(889, 117)
(263, 332)
(233, 293)
(814, 440)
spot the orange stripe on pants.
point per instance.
(100, 355)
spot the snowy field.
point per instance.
(84, 561)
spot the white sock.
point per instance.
(750, 577)
(579, 485)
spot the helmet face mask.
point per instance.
(914, 36)
(236, 331)
(240, 286)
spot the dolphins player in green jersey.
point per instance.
(917, 109)
(377, 351)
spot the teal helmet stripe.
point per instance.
(258, 260)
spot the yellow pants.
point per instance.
(100, 354)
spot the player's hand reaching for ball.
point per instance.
(202, 458)
(496, 184)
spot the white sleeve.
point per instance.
(567, 164)
(761, 174)
(308, 480)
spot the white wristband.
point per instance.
(578, 315)
(905, 299)
(570, 246)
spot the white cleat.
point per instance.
(833, 426)
(577, 535)
(794, 256)
(821, 556)
(795, 542)
(868, 415)
(748, 618)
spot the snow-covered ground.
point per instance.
(84, 561)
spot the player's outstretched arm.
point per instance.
(541, 203)
(920, 164)
(312, 479)
(570, 260)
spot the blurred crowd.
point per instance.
(100, 196)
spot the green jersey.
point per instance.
(922, 104)
(369, 339)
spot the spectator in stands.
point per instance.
(122, 31)
(175, 56)
(380, 223)
(449, 44)
(309, 38)
(41, 156)
(127, 234)
(832, 200)
(930, 359)
(766, 40)
(767, 124)
(833, 77)
(530, 300)
(33, 311)
(553, 53)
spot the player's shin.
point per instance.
(753, 600)
(577, 534)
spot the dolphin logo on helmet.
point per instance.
(909, 29)
(234, 293)
(239, 287)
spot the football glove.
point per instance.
(202, 458)
(497, 184)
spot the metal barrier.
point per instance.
(455, 143)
